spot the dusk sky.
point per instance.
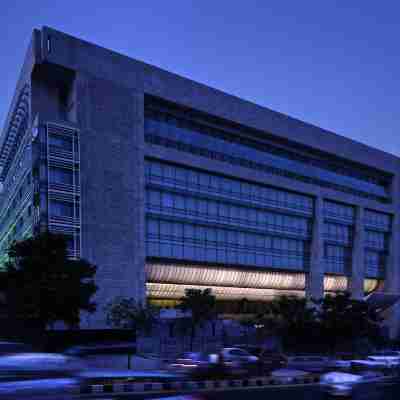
(335, 64)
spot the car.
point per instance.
(229, 361)
(268, 360)
(308, 363)
(235, 354)
(371, 365)
(252, 349)
(391, 358)
(198, 365)
(349, 385)
(38, 375)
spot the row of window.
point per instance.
(18, 196)
(337, 210)
(210, 244)
(175, 120)
(8, 217)
(236, 150)
(377, 219)
(337, 259)
(23, 222)
(218, 211)
(377, 240)
(61, 176)
(61, 142)
(21, 162)
(63, 209)
(338, 233)
(374, 262)
(202, 182)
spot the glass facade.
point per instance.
(377, 236)
(167, 128)
(197, 216)
(16, 220)
(61, 176)
(338, 225)
(63, 185)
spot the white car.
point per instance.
(391, 358)
(339, 383)
(236, 354)
(343, 384)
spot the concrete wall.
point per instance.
(112, 192)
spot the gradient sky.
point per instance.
(335, 64)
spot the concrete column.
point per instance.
(112, 186)
(356, 277)
(315, 276)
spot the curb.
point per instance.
(185, 386)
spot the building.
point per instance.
(166, 184)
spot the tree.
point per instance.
(344, 320)
(127, 313)
(43, 285)
(202, 306)
(289, 317)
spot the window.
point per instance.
(62, 142)
(60, 175)
(220, 145)
(378, 220)
(61, 209)
(186, 178)
(219, 245)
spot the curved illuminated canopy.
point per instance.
(170, 281)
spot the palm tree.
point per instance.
(201, 305)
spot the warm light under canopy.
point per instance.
(170, 281)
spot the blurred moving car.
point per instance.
(342, 384)
(389, 357)
(38, 375)
(198, 365)
(268, 360)
(228, 361)
(235, 354)
(309, 363)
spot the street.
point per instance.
(304, 392)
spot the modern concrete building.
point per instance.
(167, 184)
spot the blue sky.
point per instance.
(335, 64)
